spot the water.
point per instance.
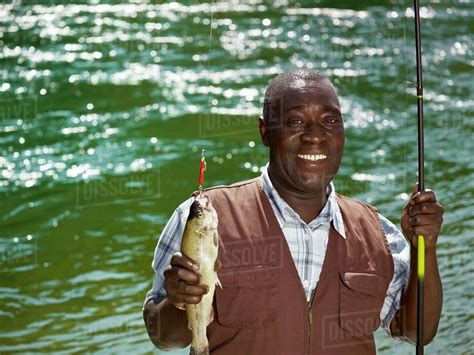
(105, 108)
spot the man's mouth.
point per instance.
(312, 157)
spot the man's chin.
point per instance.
(312, 186)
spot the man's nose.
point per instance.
(313, 133)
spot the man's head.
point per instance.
(302, 125)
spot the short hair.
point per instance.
(282, 81)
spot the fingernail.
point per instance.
(195, 267)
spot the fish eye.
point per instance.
(200, 214)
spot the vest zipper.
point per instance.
(310, 319)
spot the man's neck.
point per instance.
(307, 206)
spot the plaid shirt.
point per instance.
(307, 244)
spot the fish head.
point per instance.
(203, 213)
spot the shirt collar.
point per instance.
(284, 213)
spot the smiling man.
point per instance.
(303, 127)
(304, 270)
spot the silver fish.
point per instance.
(200, 243)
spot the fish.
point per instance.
(201, 243)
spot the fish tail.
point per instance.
(199, 344)
(205, 351)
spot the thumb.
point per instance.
(413, 193)
(416, 188)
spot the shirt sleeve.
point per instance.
(400, 249)
(168, 244)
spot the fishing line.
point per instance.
(202, 165)
(405, 136)
(210, 37)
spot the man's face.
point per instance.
(306, 136)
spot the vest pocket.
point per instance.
(248, 298)
(361, 299)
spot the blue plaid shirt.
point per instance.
(307, 244)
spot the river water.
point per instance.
(105, 108)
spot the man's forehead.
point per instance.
(307, 84)
(300, 92)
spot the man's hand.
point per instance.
(423, 215)
(182, 281)
(182, 287)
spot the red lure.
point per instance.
(202, 168)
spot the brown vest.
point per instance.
(262, 308)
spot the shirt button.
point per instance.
(306, 236)
(305, 283)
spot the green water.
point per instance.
(104, 110)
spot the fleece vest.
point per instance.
(262, 307)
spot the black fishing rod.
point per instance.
(421, 185)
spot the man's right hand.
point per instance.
(182, 285)
(182, 281)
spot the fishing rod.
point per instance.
(421, 185)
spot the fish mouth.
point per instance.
(204, 202)
(312, 157)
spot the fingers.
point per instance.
(179, 292)
(183, 268)
(178, 273)
(182, 260)
(425, 231)
(423, 208)
(192, 290)
(423, 215)
(424, 220)
(182, 282)
(422, 196)
(416, 188)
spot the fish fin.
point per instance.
(218, 282)
(211, 318)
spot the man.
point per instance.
(303, 270)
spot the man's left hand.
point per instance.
(423, 215)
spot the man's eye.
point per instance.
(332, 119)
(294, 121)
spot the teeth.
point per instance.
(312, 157)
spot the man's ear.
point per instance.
(264, 130)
